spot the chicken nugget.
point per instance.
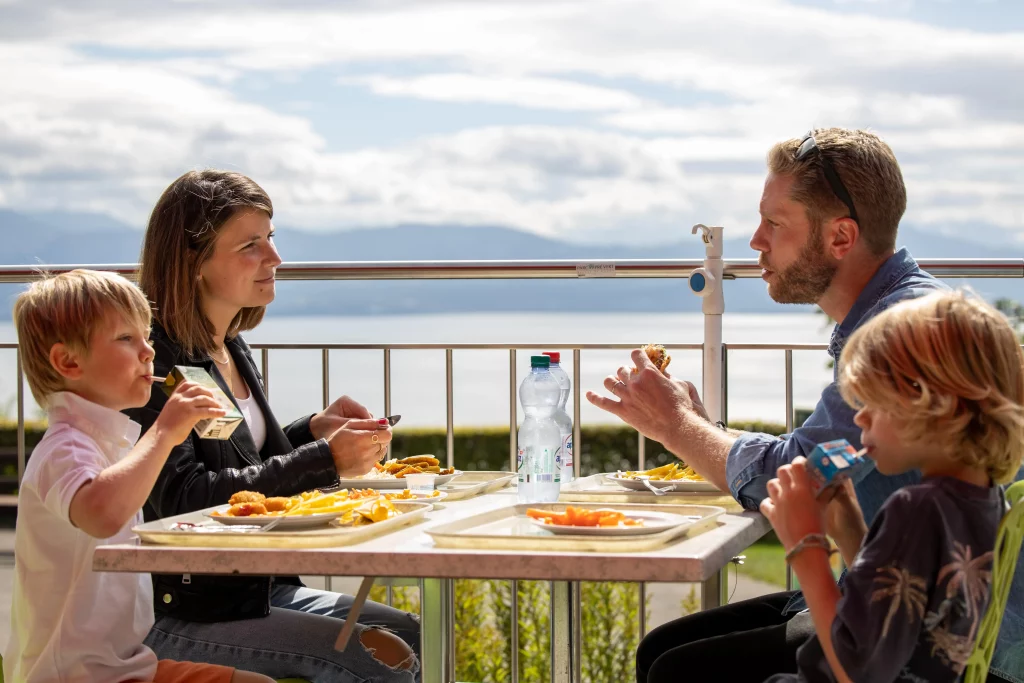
(247, 509)
(246, 497)
(276, 504)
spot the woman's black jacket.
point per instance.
(201, 473)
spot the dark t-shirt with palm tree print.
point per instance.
(914, 598)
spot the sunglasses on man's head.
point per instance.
(809, 145)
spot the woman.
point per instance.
(208, 264)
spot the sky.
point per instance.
(584, 120)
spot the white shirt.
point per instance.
(254, 418)
(69, 623)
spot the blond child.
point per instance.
(939, 384)
(84, 345)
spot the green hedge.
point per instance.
(605, 448)
(9, 433)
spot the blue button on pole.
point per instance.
(697, 282)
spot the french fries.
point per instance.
(406, 494)
(356, 506)
(574, 516)
(306, 503)
(416, 464)
(670, 472)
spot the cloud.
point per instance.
(539, 93)
(664, 110)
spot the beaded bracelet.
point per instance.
(810, 541)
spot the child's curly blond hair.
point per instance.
(950, 369)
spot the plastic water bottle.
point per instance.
(539, 466)
(561, 416)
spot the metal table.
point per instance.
(409, 552)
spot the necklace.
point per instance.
(227, 357)
(227, 364)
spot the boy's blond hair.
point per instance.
(949, 368)
(66, 308)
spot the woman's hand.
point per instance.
(334, 417)
(358, 444)
(791, 507)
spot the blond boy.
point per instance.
(939, 384)
(84, 345)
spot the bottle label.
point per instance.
(519, 460)
(567, 450)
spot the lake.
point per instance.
(481, 395)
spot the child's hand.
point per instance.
(843, 515)
(844, 520)
(792, 508)
(189, 404)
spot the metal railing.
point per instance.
(532, 270)
(568, 614)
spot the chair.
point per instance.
(1004, 562)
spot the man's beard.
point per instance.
(808, 278)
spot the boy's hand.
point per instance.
(844, 520)
(843, 515)
(791, 507)
(189, 404)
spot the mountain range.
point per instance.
(56, 238)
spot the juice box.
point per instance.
(832, 462)
(215, 427)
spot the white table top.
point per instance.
(409, 552)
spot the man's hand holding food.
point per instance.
(649, 399)
(666, 410)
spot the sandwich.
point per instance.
(657, 355)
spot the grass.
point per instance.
(766, 561)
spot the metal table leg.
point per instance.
(434, 646)
(715, 591)
(449, 597)
(565, 629)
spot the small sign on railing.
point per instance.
(595, 270)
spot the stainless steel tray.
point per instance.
(509, 528)
(597, 489)
(159, 531)
(476, 484)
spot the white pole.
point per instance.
(706, 283)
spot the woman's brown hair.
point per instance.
(180, 238)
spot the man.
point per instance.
(830, 210)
